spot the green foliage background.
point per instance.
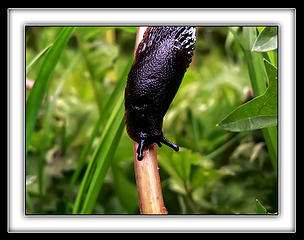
(80, 159)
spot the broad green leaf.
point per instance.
(201, 176)
(41, 85)
(267, 40)
(261, 112)
(178, 164)
(249, 123)
(260, 209)
(183, 162)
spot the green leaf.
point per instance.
(260, 112)
(178, 164)
(248, 123)
(267, 40)
(41, 85)
(260, 209)
(201, 176)
(257, 73)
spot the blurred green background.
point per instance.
(215, 172)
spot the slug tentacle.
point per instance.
(140, 150)
(161, 60)
(169, 144)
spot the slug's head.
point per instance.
(144, 128)
(143, 143)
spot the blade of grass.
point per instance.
(91, 71)
(125, 190)
(50, 107)
(42, 82)
(38, 57)
(260, 209)
(271, 134)
(105, 156)
(271, 139)
(86, 181)
(254, 61)
(108, 107)
(225, 146)
(195, 128)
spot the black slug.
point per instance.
(161, 60)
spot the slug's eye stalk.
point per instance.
(169, 144)
(160, 63)
(140, 150)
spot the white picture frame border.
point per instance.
(19, 222)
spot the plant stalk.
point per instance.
(147, 171)
(148, 181)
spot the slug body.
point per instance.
(161, 60)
